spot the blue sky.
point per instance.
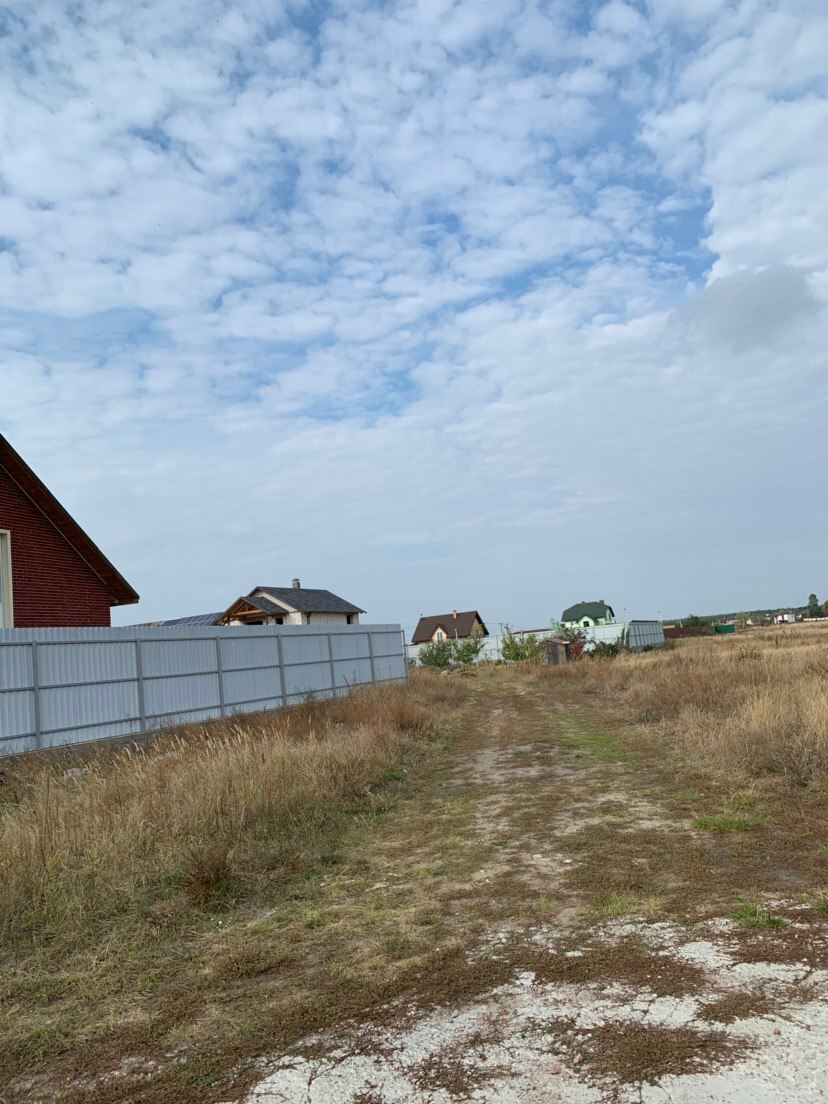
(436, 304)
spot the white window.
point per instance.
(6, 599)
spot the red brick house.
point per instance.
(51, 573)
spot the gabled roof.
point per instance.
(593, 610)
(120, 592)
(304, 599)
(457, 627)
(242, 607)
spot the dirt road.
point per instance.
(538, 902)
(613, 926)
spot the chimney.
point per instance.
(296, 584)
(454, 614)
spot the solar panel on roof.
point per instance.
(196, 619)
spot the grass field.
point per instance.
(756, 703)
(170, 915)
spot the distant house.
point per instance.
(784, 618)
(585, 615)
(449, 626)
(293, 605)
(51, 573)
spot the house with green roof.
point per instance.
(585, 615)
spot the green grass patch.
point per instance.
(599, 745)
(616, 905)
(723, 823)
(751, 915)
(817, 901)
(613, 905)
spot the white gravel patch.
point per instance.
(524, 1061)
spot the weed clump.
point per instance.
(751, 915)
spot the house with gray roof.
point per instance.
(293, 605)
(585, 615)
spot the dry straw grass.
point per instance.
(754, 704)
(195, 818)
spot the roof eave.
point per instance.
(120, 592)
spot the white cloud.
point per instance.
(279, 292)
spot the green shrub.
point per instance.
(467, 651)
(525, 649)
(438, 654)
(605, 649)
(444, 654)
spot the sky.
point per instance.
(438, 305)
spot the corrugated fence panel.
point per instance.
(248, 652)
(16, 747)
(16, 717)
(166, 697)
(16, 668)
(113, 730)
(302, 679)
(352, 672)
(646, 634)
(305, 649)
(70, 664)
(389, 668)
(82, 706)
(258, 685)
(178, 657)
(387, 643)
(95, 684)
(355, 646)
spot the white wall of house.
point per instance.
(297, 618)
(333, 619)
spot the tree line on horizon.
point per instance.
(813, 608)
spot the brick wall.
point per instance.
(52, 584)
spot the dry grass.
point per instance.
(233, 890)
(194, 818)
(753, 704)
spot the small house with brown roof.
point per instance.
(51, 573)
(449, 626)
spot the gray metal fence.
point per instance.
(641, 635)
(71, 686)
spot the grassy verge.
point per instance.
(168, 900)
(754, 705)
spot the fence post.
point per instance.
(36, 690)
(139, 674)
(220, 670)
(281, 669)
(371, 656)
(333, 670)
